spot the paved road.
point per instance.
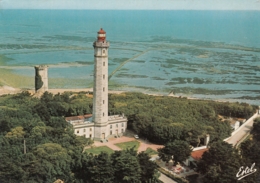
(242, 132)
(166, 179)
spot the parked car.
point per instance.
(136, 136)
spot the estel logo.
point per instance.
(245, 172)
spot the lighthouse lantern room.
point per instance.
(101, 35)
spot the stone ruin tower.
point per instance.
(41, 78)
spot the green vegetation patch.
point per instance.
(171, 83)
(84, 62)
(124, 69)
(150, 151)
(4, 59)
(249, 97)
(178, 80)
(138, 61)
(7, 77)
(227, 81)
(70, 38)
(69, 83)
(120, 104)
(123, 75)
(22, 46)
(198, 80)
(119, 60)
(98, 150)
(174, 61)
(201, 91)
(129, 145)
(168, 66)
(188, 69)
(157, 78)
(146, 88)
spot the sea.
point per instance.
(196, 54)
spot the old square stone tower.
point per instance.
(41, 79)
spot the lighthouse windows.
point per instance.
(104, 51)
(103, 89)
(103, 76)
(104, 63)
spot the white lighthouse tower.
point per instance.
(100, 88)
(102, 126)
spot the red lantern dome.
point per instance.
(101, 35)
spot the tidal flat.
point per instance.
(186, 67)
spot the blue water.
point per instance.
(235, 27)
(214, 50)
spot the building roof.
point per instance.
(75, 118)
(196, 155)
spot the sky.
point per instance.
(133, 4)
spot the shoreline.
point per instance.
(10, 90)
(61, 90)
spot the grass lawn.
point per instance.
(98, 150)
(150, 151)
(128, 145)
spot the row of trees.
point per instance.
(120, 167)
(38, 145)
(162, 119)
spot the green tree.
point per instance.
(126, 167)
(42, 111)
(16, 133)
(53, 162)
(148, 168)
(256, 129)
(251, 150)
(220, 163)
(100, 169)
(177, 151)
(80, 166)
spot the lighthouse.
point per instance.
(100, 88)
(100, 126)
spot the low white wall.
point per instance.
(199, 148)
(244, 124)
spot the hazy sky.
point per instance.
(133, 4)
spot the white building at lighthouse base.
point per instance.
(83, 126)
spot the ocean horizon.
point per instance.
(203, 54)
